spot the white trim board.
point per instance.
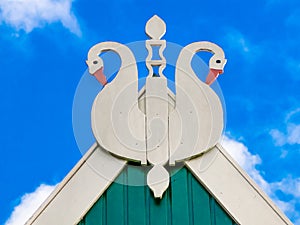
(79, 190)
(244, 201)
(232, 187)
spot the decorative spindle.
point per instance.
(157, 109)
(155, 29)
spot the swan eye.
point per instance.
(95, 62)
(218, 61)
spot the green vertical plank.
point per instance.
(158, 208)
(136, 196)
(185, 202)
(95, 214)
(115, 202)
(200, 203)
(220, 216)
(212, 210)
(179, 197)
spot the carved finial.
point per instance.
(155, 28)
(158, 180)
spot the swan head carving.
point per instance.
(95, 65)
(216, 67)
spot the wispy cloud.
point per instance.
(246, 160)
(29, 204)
(288, 186)
(234, 36)
(30, 14)
(279, 138)
(291, 133)
(293, 66)
(237, 41)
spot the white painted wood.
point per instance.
(158, 180)
(162, 62)
(142, 101)
(234, 189)
(155, 27)
(196, 124)
(81, 188)
(117, 123)
(157, 120)
(157, 105)
(216, 170)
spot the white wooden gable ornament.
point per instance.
(157, 128)
(157, 135)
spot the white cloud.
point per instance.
(29, 204)
(234, 36)
(288, 185)
(237, 41)
(289, 208)
(29, 14)
(284, 153)
(249, 161)
(291, 135)
(246, 160)
(291, 116)
(278, 137)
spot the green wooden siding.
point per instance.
(185, 202)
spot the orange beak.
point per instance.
(213, 75)
(100, 76)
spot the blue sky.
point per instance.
(43, 47)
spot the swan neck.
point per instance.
(125, 54)
(203, 46)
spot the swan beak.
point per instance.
(100, 76)
(213, 75)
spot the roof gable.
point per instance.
(219, 174)
(185, 202)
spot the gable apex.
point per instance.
(219, 174)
